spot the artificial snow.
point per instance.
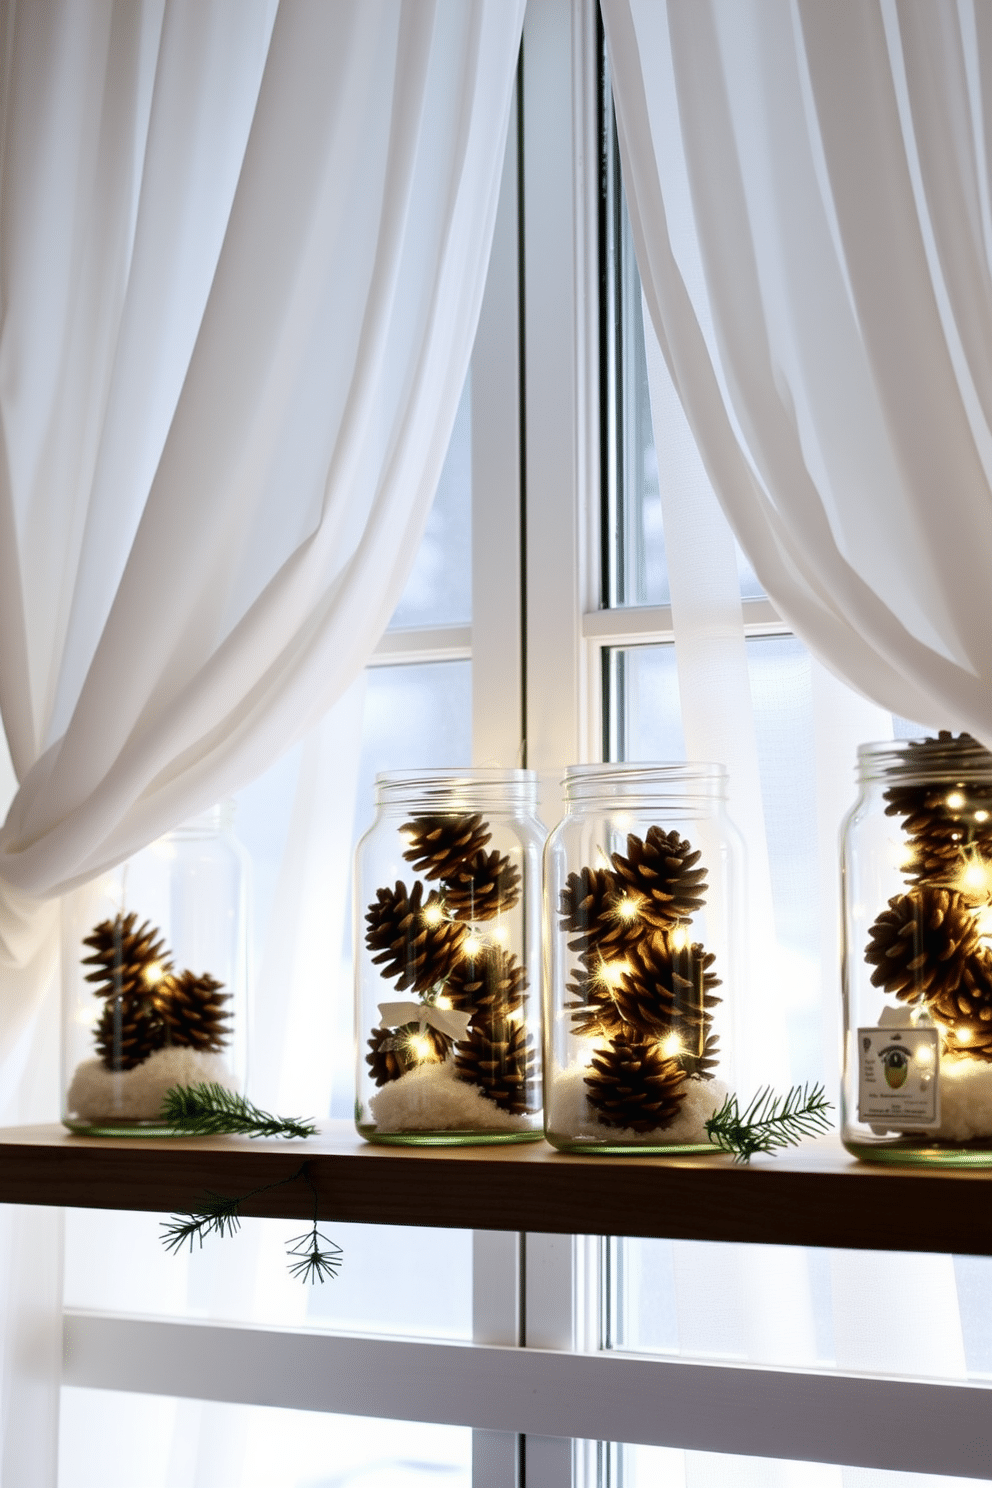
(431, 1097)
(569, 1115)
(99, 1094)
(965, 1099)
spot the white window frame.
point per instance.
(536, 1365)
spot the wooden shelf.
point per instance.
(814, 1195)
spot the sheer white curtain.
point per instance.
(837, 170)
(242, 252)
(784, 391)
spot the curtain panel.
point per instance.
(243, 245)
(810, 201)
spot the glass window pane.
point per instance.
(635, 566)
(109, 1439)
(439, 589)
(413, 716)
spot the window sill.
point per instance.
(812, 1195)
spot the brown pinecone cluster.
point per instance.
(926, 945)
(148, 1005)
(423, 939)
(642, 988)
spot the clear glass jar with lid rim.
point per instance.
(643, 928)
(916, 875)
(448, 959)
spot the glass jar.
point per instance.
(155, 978)
(643, 884)
(917, 954)
(448, 959)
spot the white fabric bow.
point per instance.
(445, 1020)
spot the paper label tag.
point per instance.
(898, 1084)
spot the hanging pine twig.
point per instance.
(318, 1257)
(770, 1122)
(211, 1110)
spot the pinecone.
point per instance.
(661, 874)
(966, 1014)
(192, 1009)
(633, 1085)
(664, 990)
(395, 1050)
(129, 1030)
(128, 962)
(920, 944)
(416, 943)
(599, 913)
(485, 886)
(498, 1056)
(439, 845)
(948, 822)
(491, 983)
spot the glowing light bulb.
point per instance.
(963, 1035)
(955, 800)
(433, 914)
(500, 935)
(420, 1047)
(975, 878)
(627, 909)
(679, 938)
(442, 1002)
(154, 972)
(671, 1046)
(612, 973)
(924, 1054)
(981, 816)
(472, 945)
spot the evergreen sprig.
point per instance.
(319, 1257)
(217, 1214)
(770, 1122)
(211, 1110)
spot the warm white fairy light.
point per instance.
(421, 1047)
(963, 1035)
(679, 938)
(981, 816)
(472, 944)
(442, 1002)
(628, 909)
(671, 1046)
(955, 800)
(924, 1054)
(433, 914)
(612, 973)
(974, 878)
(154, 972)
(499, 935)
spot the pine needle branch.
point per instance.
(770, 1122)
(211, 1110)
(217, 1214)
(319, 1257)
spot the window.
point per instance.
(543, 624)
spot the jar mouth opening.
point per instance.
(455, 788)
(924, 758)
(682, 778)
(216, 818)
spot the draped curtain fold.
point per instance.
(243, 245)
(243, 251)
(831, 348)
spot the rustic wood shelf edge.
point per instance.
(813, 1195)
